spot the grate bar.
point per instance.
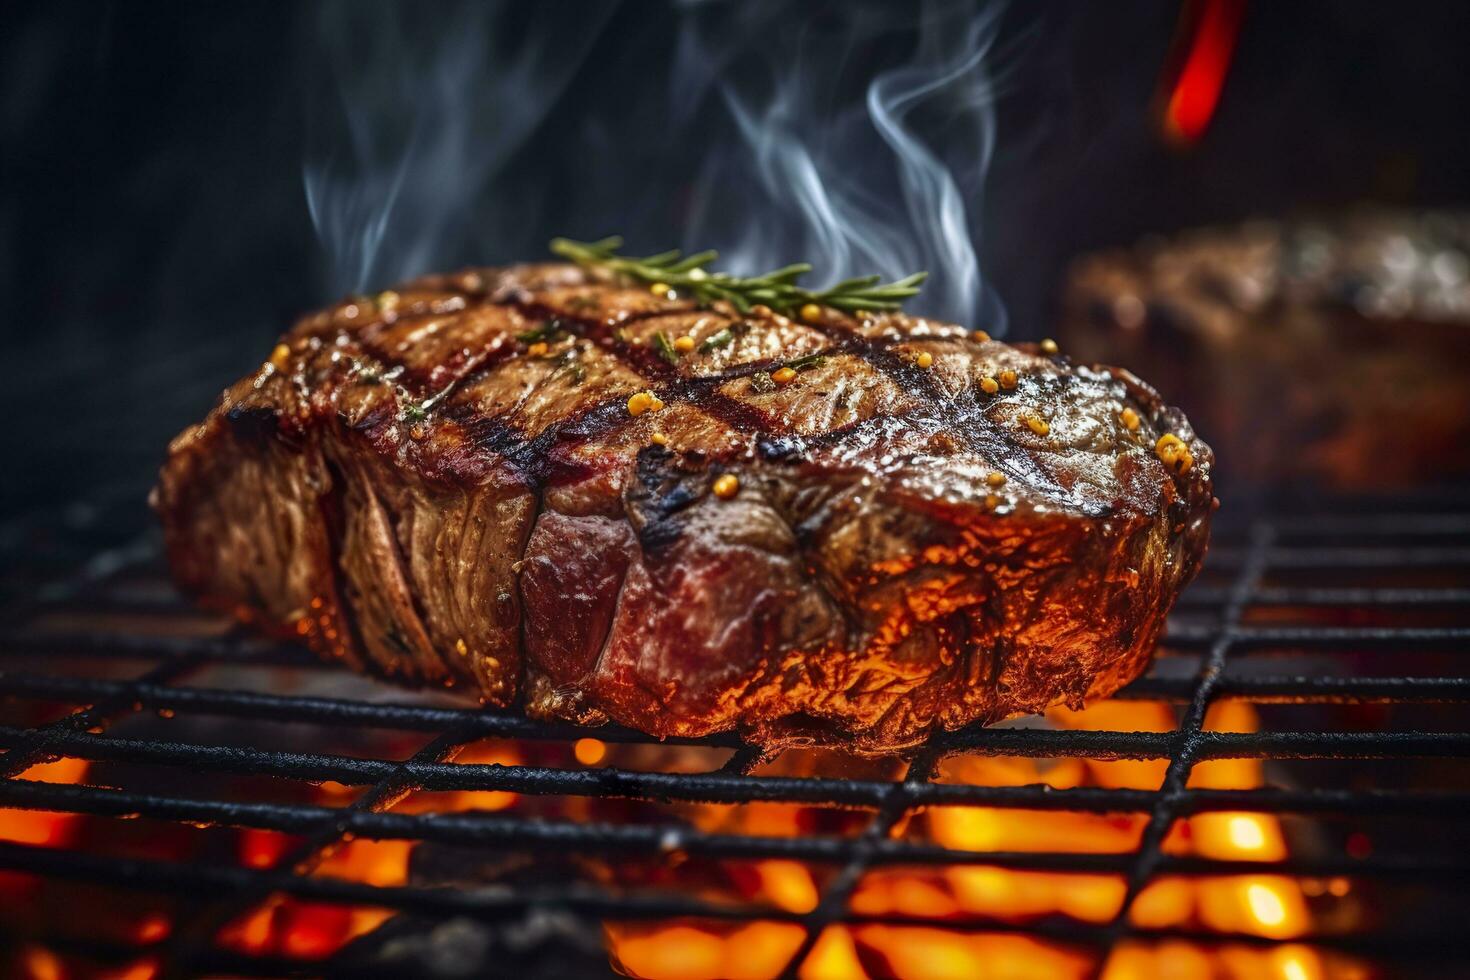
(112, 645)
(1374, 523)
(41, 744)
(485, 829)
(1190, 745)
(1108, 745)
(855, 794)
(1298, 689)
(1205, 595)
(486, 724)
(479, 722)
(1345, 558)
(1338, 639)
(714, 787)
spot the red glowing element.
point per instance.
(261, 848)
(1196, 90)
(155, 928)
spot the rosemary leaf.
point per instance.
(665, 347)
(807, 362)
(715, 341)
(551, 329)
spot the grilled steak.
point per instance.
(528, 483)
(1328, 352)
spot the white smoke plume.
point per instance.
(421, 107)
(886, 177)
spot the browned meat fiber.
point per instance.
(463, 482)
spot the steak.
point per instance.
(1327, 352)
(598, 503)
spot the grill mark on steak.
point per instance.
(702, 392)
(531, 454)
(878, 352)
(660, 494)
(963, 417)
(255, 425)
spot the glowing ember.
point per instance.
(42, 964)
(749, 952)
(289, 927)
(589, 751)
(37, 826)
(1261, 904)
(1196, 91)
(141, 970)
(934, 954)
(284, 926)
(154, 928)
(262, 848)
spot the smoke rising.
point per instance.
(855, 136)
(419, 110)
(842, 161)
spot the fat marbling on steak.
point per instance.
(526, 482)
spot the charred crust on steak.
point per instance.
(894, 550)
(665, 487)
(257, 424)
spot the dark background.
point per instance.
(154, 233)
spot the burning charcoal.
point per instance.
(538, 944)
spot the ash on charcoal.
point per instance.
(542, 943)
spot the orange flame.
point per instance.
(1264, 904)
(287, 926)
(291, 927)
(37, 826)
(1260, 904)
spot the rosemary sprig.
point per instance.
(777, 289)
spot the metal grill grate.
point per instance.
(1324, 593)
